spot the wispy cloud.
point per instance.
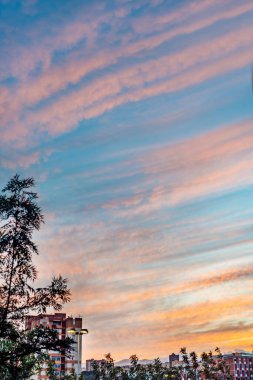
(174, 72)
(136, 120)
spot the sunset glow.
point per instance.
(135, 117)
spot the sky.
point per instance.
(135, 117)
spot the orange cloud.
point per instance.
(120, 298)
(194, 326)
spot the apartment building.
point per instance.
(240, 364)
(66, 326)
(174, 359)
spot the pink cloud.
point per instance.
(214, 162)
(24, 161)
(60, 39)
(207, 165)
(181, 14)
(55, 79)
(167, 74)
(104, 94)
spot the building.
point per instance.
(173, 359)
(66, 326)
(89, 363)
(240, 364)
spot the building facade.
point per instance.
(66, 326)
(173, 359)
(240, 364)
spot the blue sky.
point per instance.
(135, 118)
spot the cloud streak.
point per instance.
(172, 73)
(136, 120)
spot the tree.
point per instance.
(194, 365)
(173, 373)
(73, 376)
(106, 370)
(27, 365)
(209, 369)
(20, 216)
(187, 367)
(137, 371)
(51, 373)
(111, 371)
(96, 370)
(222, 369)
(156, 371)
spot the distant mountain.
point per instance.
(125, 362)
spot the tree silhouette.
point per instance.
(20, 216)
(209, 368)
(194, 365)
(137, 371)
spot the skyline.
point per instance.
(135, 119)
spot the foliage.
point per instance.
(223, 370)
(22, 351)
(137, 371)
(106, 370)
(208, 365)
(189, 368)
(96, 370)
(156, 371)
(51, 373)
(173, 373)
(73, 376)
(186, 368)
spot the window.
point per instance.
(57, 322)
(56, 358)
